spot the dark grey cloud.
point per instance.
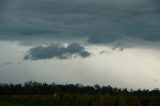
(56, 51)
(99, 39)
(97, 21)
(3, 4)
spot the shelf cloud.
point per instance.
(97, 21)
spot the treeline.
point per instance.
(32, 88)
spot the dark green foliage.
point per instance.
(32, 88)
(43, 94)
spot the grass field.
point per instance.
(34, 100)
(78, 100)
(28, 104)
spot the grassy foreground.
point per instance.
(78, 100)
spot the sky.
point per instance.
(106, 42)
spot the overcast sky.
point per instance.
(106, 42)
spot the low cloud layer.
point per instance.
(56, 51)
(96, 21)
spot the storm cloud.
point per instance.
(112, 37)
(56, 51)
(95, 21)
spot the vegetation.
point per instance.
(42, 94)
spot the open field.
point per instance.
(78, 100)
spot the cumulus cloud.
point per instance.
(56, 51)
